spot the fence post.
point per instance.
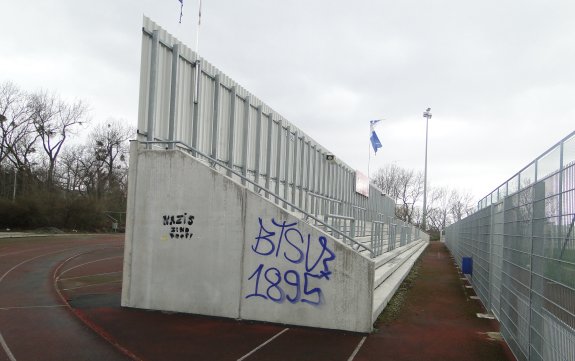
(278, 158)
(196, 103)
(215, 118)
(269, 153)
(287, 163)
(301, 172)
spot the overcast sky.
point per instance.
(498, 75)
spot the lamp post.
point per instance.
(426, 115)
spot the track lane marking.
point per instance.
(2, 340)
(90, 285)
(91, 325)
(52, 247)
(262, 345)
(31, 259)
(6, 349)
(93, 275)
(86, 263)
(357, 349)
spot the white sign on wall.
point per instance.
(361, 183)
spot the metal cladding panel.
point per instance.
(184, 102)
(186, 99)
(206, 109)
(144, 84)
(264, 144)
(184, 109)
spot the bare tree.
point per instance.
(461, 205)
(17, 138)
(54, 120)
(447, 206)
(438, 215)
(404, 186)
(16, 131)
(111, 149)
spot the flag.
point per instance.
(375, 143)
(181, 9)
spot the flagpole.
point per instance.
(198, 32)
(369, 157)
(372, 143)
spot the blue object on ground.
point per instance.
(467, 265)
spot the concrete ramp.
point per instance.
(199, 242)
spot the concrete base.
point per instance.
(199, 242)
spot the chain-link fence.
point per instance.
(522, 244)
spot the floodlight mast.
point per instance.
(427, 115)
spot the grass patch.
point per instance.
(393, 309)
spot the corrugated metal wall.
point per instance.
(223, 120)
(522, 241)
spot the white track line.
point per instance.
(6, 349)
(90, 285)
(262, 345)
(2, 341)
(83, 264)
(94, 275)
(357, 349)
(31, 259)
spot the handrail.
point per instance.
(324, 197)
(226, 167)
(340, 217)
(358, 207)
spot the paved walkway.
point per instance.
(38, 275)
(438, 320)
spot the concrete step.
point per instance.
(387, 256)
(385, 291)
(395, 260)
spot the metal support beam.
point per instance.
(173, 94)
(153, 85)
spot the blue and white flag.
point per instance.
(375, 143)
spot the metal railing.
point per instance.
(554, 159)
(523, 249)
(279, 199)
(345, 225)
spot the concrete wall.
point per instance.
(201, 243)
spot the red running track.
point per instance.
(60, 300)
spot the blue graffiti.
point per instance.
(310, 259)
